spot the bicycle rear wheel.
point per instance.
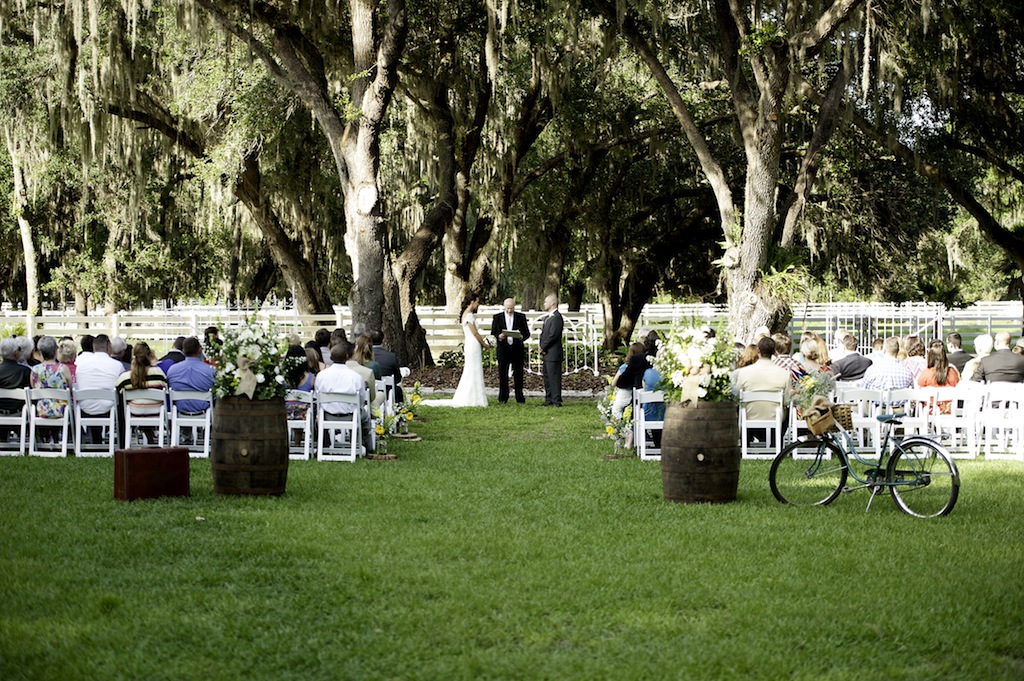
(808, 473)
(927, 480)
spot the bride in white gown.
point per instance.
(470, 392)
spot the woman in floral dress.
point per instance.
(50, 373)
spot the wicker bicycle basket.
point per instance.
(843, 414)
(820, 424)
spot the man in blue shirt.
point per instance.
(192, 373)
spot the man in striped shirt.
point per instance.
(782, 358)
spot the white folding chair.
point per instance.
(16, 421)
(105, 424)
(1001, 421)
(387, 385)
(305, 425)
(952, 417)
(645, 449)
(865, 405)
(772, 428)
(197, 421)
(63, 422)
(345, 426)
(915, 403)
(158, 421)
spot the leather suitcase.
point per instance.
(150, 472)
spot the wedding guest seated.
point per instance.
(982, 348)
(173, 356)
(629, 375)
(118, 346)
(192, 374)
(312, 347)
(853, 365)
(300, 377)
(144, 374)
(388, 362)
(877, 349)
(915, 360)
(66, 355)
(96, 370)
(957, 356)
(26, 350)
(762, 376)
(322, 338)
(1002, 366)
(339, 378)
(12, 375)
(888, 373)
(50, 373)
(653, 411)
(337, 336)
(782, 358)
(211, 342)
(363, 353)
(357, 363)
(939, 373)
(810, 355)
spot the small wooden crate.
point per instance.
(151, 472)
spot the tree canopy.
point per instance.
(384, 155)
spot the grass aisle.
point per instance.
(502, 546)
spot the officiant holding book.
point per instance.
(511, 329)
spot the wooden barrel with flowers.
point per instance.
(249, 444)
(249, 450)
(700, 452)
(700, 443)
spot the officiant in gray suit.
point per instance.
(551, 352)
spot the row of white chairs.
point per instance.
(338, 438)
(53, 436)
(970, 419)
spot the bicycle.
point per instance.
(918, 471)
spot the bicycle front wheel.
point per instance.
(925, 481)
(808, 473)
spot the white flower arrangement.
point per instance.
(251, 362)
(695, 365)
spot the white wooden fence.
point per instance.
(583, 328)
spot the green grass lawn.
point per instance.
(502, 546)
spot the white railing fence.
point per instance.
(583, 328)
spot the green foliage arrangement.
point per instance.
(451, 359)
(694, 365)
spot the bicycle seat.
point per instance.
(886, 418)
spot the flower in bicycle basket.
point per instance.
(814, 384)
(695, 365)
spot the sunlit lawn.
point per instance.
(501, 546)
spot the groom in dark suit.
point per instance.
(551, 352)
(511, 351)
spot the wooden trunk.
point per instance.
(700, 452)
(151, 472)
(249, 452)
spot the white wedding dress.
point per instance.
(470, 392)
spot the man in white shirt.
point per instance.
(97, 370)
(339, 378)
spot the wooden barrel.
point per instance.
(249, 450)
(700, 452)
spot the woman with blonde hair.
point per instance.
(66, 355)
(363, 353)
